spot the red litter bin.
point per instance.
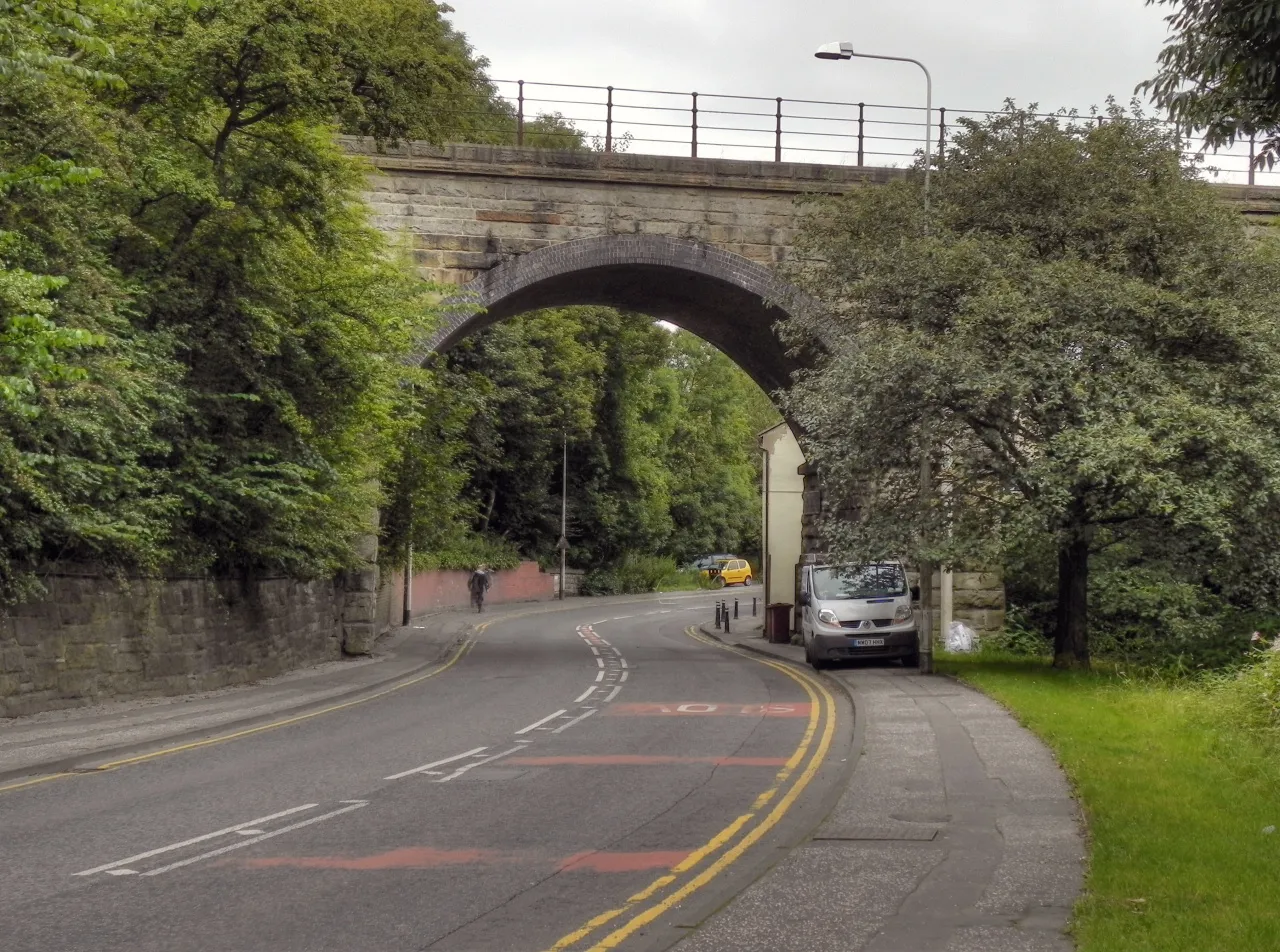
(777, 623)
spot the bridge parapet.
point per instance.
(463, 209)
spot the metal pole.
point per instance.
(777, 141)
(926, 568)
(928, 115)
(608, 123)
(408, 588)
(862, 107)
(942, 133)
(520, 114)
(695, 125)
(564, 500)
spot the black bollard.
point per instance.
(735, 608)
(726, 621)
(717, 616)
(753, 606)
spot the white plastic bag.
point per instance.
(961, 638)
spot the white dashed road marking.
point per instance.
(426, 768)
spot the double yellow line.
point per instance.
(735, 839)
(457, 655)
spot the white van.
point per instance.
(858, 611)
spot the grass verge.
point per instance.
(1177, 796)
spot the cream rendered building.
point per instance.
(782, 499)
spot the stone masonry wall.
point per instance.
(464, 208)
(93, 638)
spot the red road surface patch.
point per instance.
(621, 862)
(643, 760)
(700, 709)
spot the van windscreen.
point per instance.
(858, 581)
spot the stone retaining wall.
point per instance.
(94, 638)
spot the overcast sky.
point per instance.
(1054, 52)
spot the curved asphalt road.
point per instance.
(591, 778)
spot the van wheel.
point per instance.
(816, 663)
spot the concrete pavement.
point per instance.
(956, 833)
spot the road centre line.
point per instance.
(106, 867)
(352, 805)
(580, 717)
(600, 661)
(463, 769)
(436, 763)
(818, 703)
(624, 676)
(584, 695)
(595, 650)
(600, 675)
(536, 724)
(613, 693)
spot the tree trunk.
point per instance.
(1071, 640)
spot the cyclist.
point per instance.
(479, 585)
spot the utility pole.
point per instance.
(563, 544)
(926, 568)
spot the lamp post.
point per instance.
(845, 51)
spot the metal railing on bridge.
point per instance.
(715, 125)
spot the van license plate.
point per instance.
(868, 642)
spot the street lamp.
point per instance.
(844, 51)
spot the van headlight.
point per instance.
(902, 614)
(828, 617)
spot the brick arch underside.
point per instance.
(727, 300)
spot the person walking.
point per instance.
(479, 585)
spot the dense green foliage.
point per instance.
(1090, 340)
(660, 429)
(1220, 71)
(201, 340)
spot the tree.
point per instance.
(1220, 71)
(661, 427)
(1086, 336)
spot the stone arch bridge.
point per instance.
(693, 241)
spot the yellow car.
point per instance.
(731, 572)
